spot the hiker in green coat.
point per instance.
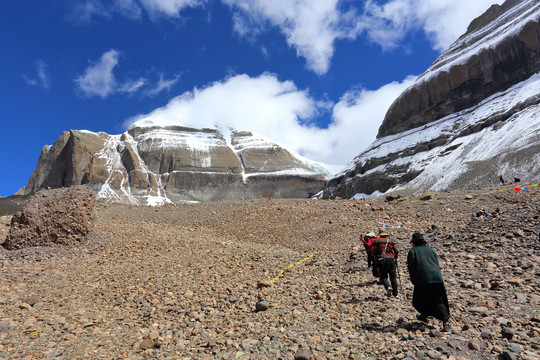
(429, 295)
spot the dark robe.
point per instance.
(431, 300)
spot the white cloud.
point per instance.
(259, 104)
(281, 112)
(313, 26)
(169, 7)
(42, 73)
(264, 52)
(442, 20)
(82, 11)
(163, 85)
(98, 79)
(127, 8)
(132, 86)
(43, 79)
(357, 118)
(30, 81)
(310, 26)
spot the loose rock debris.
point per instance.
(182, 282)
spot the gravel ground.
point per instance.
(182, 282)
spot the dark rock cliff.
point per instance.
(473, 116)
(468, 73)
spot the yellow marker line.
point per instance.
(290, 266)
(32, 331)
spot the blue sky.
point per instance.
(316, 76)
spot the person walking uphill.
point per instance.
(368, 245)
(385, 253)
(429, 294)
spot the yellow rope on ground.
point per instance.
(32, 331)
(290, 266)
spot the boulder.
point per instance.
(53, 217)
(261, 306)
(302, 354)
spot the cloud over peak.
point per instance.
(281, 112)
(243, 102)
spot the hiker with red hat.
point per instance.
(385, 253)
(429, 294)
(367, 240)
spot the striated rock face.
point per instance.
(53, 217)
(156, 164)
(64, 163)
(473, 116)
(500, 49)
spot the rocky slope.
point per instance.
(182, 282)
(155, 165)
(471, 117)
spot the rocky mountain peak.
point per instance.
(157, 164)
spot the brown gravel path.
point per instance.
(181, 282)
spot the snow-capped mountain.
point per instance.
(151, 165)
(473, 116)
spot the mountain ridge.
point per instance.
(160, 164)
(484, 127)
(482, 62)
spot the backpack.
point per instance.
(387, 255)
